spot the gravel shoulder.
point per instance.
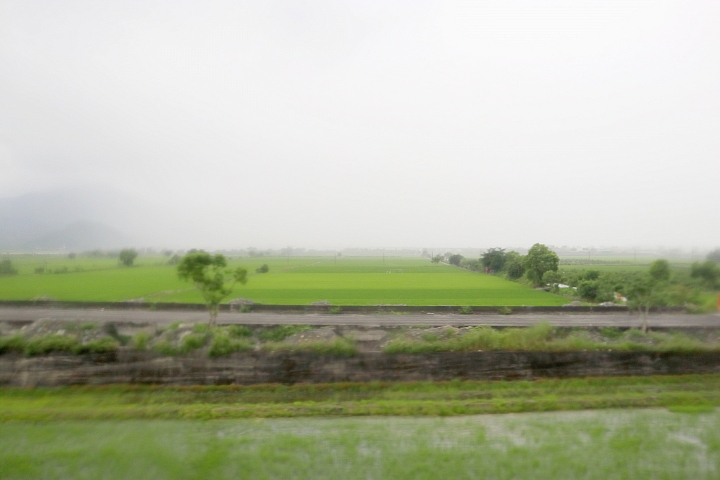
(666, 320)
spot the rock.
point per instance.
(241, 301)
(314, 335)
(43, 298)
(135, 300)
(367, 335)
(574, 303)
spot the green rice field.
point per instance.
(293, 281)
(617, 444)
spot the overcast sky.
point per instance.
(374, 124)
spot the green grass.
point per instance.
(337, 347)
(55, 344)
(617, 444)
(543, 337)
(349, 281)
(355, 399)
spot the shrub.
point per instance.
(103, 345)
(466, 310)
(164, 347)
(239, 331)
(335, 310)
(39, 269)
(481, 338)
(111, 330)
(263, 269)
(281, 332)
(203, 328)
(50, 344)
(223, 345)
(16, 344)
(141, 340)
(611, 332)
(402, 345)
(192, 341)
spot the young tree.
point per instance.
(540, 259)
(210, 275)
(436, 259)
(647, 291)
(128, 256)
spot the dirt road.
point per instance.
(668, 320)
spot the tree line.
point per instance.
(660, 285)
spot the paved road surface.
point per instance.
(163, 317)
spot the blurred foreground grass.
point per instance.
(617, 444)
(356, 399)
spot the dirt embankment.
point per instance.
(126, 366)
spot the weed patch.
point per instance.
(281, 332)
(223, 345)
(339, 347)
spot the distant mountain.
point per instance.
(84, 218)
(82, 236)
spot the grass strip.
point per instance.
(357, 399)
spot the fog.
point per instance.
(370, 124)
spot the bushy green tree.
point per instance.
(469, 264)
(540, 259)
(6, 267)
(264, 268)
(708, 272)
(128, 256)
(552, 277)
(514, 265)
(211, 276)
(455, 259)
(660, 270)
(494, 259)
(595, 291)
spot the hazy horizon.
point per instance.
(367, 124)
